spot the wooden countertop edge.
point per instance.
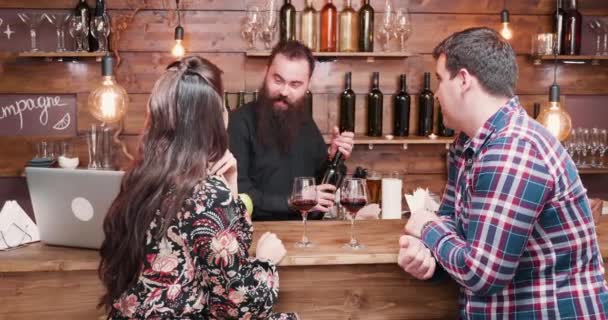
(20, 260)
(318, 260)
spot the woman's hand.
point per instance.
(226, 167)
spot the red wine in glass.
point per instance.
(353, 205)
(304, 205)
(353, 197)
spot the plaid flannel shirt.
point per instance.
(516, 229)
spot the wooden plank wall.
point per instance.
(212, 30)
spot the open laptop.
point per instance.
(70, 205)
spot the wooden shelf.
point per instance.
(405, 141)
(587, 171)
(329, 55)
(570, 59)
(66, 54)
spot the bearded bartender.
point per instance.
(275, 140)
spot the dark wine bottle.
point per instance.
(426, 104)
(308, 100)
(83, 13)
(572, 30)
(442, 130)
(558, 27)
(333, 173)
(287, 22)
(401, 111)
(374, 108)
(347, 106)
(226, 101)
(535, 110)
(255, 95)
(366, 28)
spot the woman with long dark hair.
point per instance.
(177, 236)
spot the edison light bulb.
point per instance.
(556, 120)
(504, 19)
(178, 49)
(108, 102)
(506, 31)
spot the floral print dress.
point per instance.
(201, 268)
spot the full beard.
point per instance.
(277, 128)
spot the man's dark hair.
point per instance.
(483, 53)
(294, 50)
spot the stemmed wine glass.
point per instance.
(387, 27)
(269, 27)
(60, 20)
(33, 20)
(304, 198)
(596, 28)
(251, 26)
(80, 32)
(403, 26)
(603, 142)
(100, 30)
(353, 197)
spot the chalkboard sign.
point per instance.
(37, 115)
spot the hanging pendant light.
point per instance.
(178, 50)
(504, 19)
(554, 117)
(108, 102)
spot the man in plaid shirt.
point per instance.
(514, 228)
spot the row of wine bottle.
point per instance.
(348, 31)
(85, 14)
(401, 109)
(567, 24)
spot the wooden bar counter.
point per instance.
(323, 282)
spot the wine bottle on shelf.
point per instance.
(366, 27)
(255, 95)
(374, 108)
(572, 30)
(226, 101)
(442, 130)
(426, 104)
(558, 27)
(347, 106)
(309, 27)
(83, 13)
(535, 110)
(401, 111)
(348, 29)
(329, 27)
(287, 22)
(308, 100)
(241, 99)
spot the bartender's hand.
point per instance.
(326, 195)
(415, 258)
(226, 167)
(417, 220)
(343, 142)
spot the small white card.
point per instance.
(16, 227)
(421, 199)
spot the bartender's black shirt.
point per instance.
(264, 173)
